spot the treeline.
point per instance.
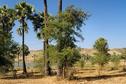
(62, 28)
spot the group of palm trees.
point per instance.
(23, 12)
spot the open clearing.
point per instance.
(82, 77)
(53, 80)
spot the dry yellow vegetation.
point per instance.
(82, 76)
(51, 80)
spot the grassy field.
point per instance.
(52, 80)
(85, 76)
(88, 75)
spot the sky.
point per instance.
(108, 20)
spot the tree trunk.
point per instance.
(24, 65)
(60, 7)
(60, 67)
(99, 70)
(46, 44)
(124, 66)
(18, 60)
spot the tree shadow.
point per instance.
(91, 78)
(34, 75)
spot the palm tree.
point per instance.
(23, 11)
(40, 23)
(60, 7)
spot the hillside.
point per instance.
(36, 54)
(90, 51)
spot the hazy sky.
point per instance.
(108, 20)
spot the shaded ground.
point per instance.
(53, 80)
(82, 77)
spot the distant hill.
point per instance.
(90, 51)
(35, 54)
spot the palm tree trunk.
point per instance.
(60, 7)
(46, 43)
(24, 65)
(18, 60)
(60, 67)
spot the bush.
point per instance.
(115, 60)
(100, 60)
(83, 60)
(39, 65)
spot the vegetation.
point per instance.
(59, 34)
(101, 57)
(115, 59)
(123, 56)
(84, 59)
(23, 11)
(7, 45)
(65, 30)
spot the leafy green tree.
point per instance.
(101, 46)
(63, 29)
(67, 29)
(7, 19)
(7, 60)
(68, 57)
(101, 57)
(6, 23)
(23, 11)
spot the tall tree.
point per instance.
(46, 43)
(60, 7)
(66, 27)
(59, 71)
(23, 11)
(40, 23)
(6, 22)
(7, 18)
